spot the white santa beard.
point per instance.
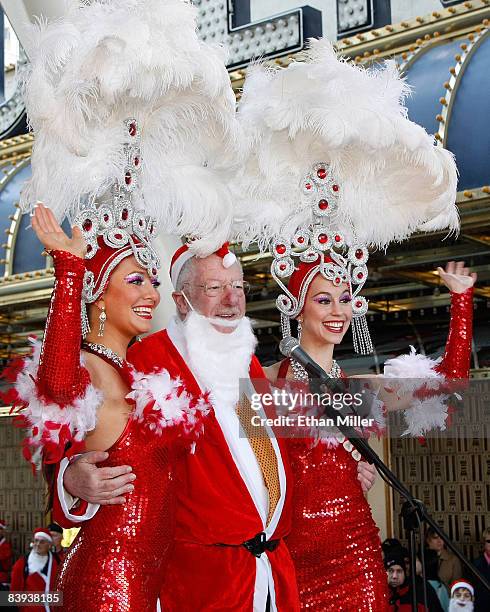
(219, 360)
(455, 606)
(36, 562)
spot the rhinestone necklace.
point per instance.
(300, 374)
(103, 351)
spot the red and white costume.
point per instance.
(35, 573)
(221, 499)
(335, 167)
(121, 561)
(334, 541)
(221, 503)
(6, 556)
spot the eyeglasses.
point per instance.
(214, 288)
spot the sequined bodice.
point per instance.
(121, 553)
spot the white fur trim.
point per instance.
(462, 584)
(178, 265)
(229, 259)
(80, 416)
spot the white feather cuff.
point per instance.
(417, 373)
(50, 426)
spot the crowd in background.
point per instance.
(448, 585)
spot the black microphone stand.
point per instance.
(413, 511)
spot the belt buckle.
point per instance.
(256, 545)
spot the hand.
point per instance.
(105, 486)
(51, 235)
(366, 473)
(456, 277)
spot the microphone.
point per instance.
(290, 347)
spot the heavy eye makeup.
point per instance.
(135, 278)
(325, 298)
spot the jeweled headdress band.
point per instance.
(320, 241)
(115, 230)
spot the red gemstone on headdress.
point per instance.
(359, 254)
(106, 217)
(338, 238)
(136, 161)
(335, 187)
(132, 129)
(321, 173)
(128, 178)
(87, 225)
(358, 304)
(89, 248)
(308, 186)
(124, 214)
(281, 249)
(301, 239)
(118, 236)
(360, 275)
(323, 204)
(337, 281)
(282, 267)
(322, 238)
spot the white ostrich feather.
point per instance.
(109, 60)
(393, 178)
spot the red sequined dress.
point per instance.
(117, 561)
(334, 541)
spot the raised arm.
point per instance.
(457, 354)
(60, 377)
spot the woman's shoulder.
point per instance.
(272, 372)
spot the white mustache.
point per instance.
(224, 322)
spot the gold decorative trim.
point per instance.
(457, 71)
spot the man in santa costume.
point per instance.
(36, 572)
(5, 557)
(234, 494)
(462, 597)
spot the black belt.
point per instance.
(257, 545)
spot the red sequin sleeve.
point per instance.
(457, 355)
(61, 379)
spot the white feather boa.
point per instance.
(45, 419)
(392, 177)
(414, 371)
(160, 402)
(104, 62)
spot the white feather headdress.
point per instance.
(108, 60)
(328, 110)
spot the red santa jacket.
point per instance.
(41, 582)
(209, 568)
(5, 560)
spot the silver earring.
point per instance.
(102, 320)
(299, 330)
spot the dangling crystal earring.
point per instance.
(102, 320)
(299, 330)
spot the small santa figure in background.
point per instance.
(462, 596)
(36, 571)
(5, 557)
